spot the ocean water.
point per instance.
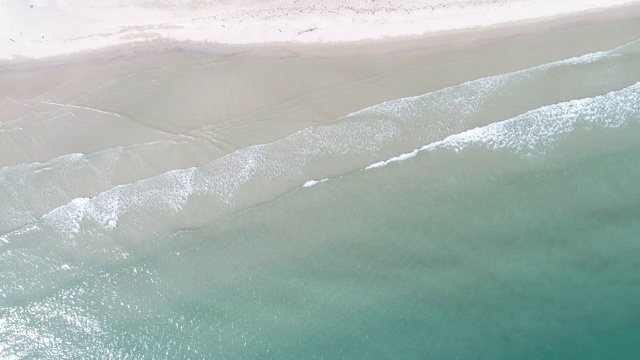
(496, 219)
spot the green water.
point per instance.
(513, 237)
(478, 256)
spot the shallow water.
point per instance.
(496, 219)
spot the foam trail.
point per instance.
(167, 194)
(31, 190)
(310, 183)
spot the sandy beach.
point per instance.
(190, 102)
(42, 28)
(256, 93)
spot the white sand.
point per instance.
(41, 28)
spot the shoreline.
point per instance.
(288, 87)
(220, 25)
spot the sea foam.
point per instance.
(311, 183)
(166, 194)
(534, 132)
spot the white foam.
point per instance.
(166, 194)
(399, 158)
(18, 182)
(310, 183)
(67, 219)
(535, 131)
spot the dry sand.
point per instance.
(40, 28)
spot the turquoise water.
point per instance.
(511, 231)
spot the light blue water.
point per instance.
(513, 231)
